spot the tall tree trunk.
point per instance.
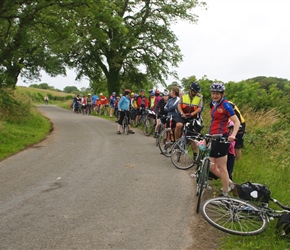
(113, 81)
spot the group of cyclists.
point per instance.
(226, 121)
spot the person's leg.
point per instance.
(222, 166)
(238, 152)
(178, 129)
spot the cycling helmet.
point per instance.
(157, 92)
(127, 91)
(166, 92)
(114, 93)
(101, 93)
(142, 90)
(194, 86)
(89, 94)
(217, 87)
(152, 93)
(132, 94)
(135, 95)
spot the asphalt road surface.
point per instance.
(85, 187)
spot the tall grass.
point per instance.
(20, 123)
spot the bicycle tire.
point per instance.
(234, 216)
(125, 126)
(148, 127)
(202, 182)
(165, 144)
(180, 154)
(158, 135)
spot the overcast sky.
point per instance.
(233, 40)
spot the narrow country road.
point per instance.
(85, 187)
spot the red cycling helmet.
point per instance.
(127, 91)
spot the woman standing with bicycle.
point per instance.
(221, 112)
(123, 107)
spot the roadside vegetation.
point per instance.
(265, 158)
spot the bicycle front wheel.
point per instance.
(148, 127)
(165, 144)
(182, 154)
(234, 216)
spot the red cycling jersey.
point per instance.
(220, 114)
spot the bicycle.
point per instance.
(161, 127)
(141, 118)
(149, 123)
(125, 123)
(182, 153)
(203, 167)
(166, 138)
(89, 109)
(240, 217)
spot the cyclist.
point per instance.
(172, 104)
(94, 98)
(89, 103)
(142, 104)
(231, 152)
(46, 99)
(189, 107)
(104, 101)
(152, 99)
(84, 104)
(159, 110)
(112, 103)
(123, 107)
(221, 112)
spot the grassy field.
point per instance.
(265, 158)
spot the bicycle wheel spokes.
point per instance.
(181, 154)
(234, 216)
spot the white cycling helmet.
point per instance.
(217, 87)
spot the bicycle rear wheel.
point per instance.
(234, 216)
(182, 154)
(165, 144)
(125, 126)
(148, 127)
(202, 182)
(158, 135)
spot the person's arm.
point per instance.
(236, 121)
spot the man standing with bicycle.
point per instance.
(190, 106)
(142, 104)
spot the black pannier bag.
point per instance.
(254, 192)
(194, 127)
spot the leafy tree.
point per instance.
(128, 42)
(70, 89)
(33, 36)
